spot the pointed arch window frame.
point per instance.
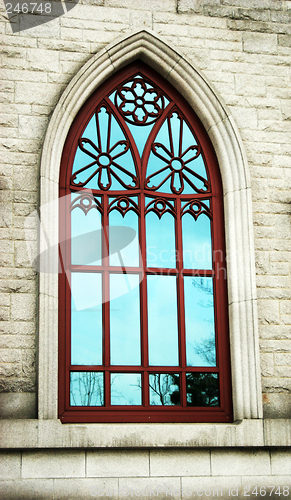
(177, 104)
(221, 128)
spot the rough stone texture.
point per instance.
(226, 479)
(244, 48)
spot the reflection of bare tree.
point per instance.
(206, 350)
(87, 389)
(204, 286)
(202, 389)
(124, 396)
(162, 384)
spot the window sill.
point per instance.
(19, 434)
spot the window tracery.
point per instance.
(151, 342)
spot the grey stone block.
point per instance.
(18, 405)
(53, 464)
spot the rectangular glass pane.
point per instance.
(162, 321)
(202, 389)
(86, 235)
(126, 389)
(86, 319)
(86, 389)
(123, 239)
(196, 242)
(164, 389)
(199, 322)
(124, 319)
(160, 238)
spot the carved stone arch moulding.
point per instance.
(222, 131)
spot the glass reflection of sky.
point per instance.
(86, 344)
(125, 321)
(199, 322)
(87, 250)
(162, 321)
(196, 242)
(188, 140)
(116, 135)
(164, 389)
(86, 389)
(126, 389)
(129, 253)
(160, 238)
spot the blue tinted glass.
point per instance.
(126, 389)
(124, 319)
(81, 158)
(86, 389)
(86, 344)
(164, 389)
(108, 152)
(162, 321)
(160, 238)
(123, 243)
(175, 159)
(86, 236)
(199, 322)
(197, 252)
(140, 135)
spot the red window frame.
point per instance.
(145, 413)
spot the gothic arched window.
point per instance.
(143, 328)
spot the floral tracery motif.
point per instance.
(196, 208)
(177, 159)
(160, 206)
(86, 202)
(123, 205)
(105, 156)
(139, 102)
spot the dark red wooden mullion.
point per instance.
(66, 252)
(220, 290)
(143, 303)
(106, 303)
(150, 270)
(149, 194)
(180, 298)
(138, 369)
(65, 318)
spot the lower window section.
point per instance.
(202, 389)
(87, 388)
(126, 389)
(164, 389)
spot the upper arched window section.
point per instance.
(143, 330)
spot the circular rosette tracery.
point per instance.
(176, 163)
(160, 206)
(196, 208)
(104, 142)
(139, 102)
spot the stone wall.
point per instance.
(243, 47)
(161, 474)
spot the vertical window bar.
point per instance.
(143, 305)
(180, 298)
(105, 305)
